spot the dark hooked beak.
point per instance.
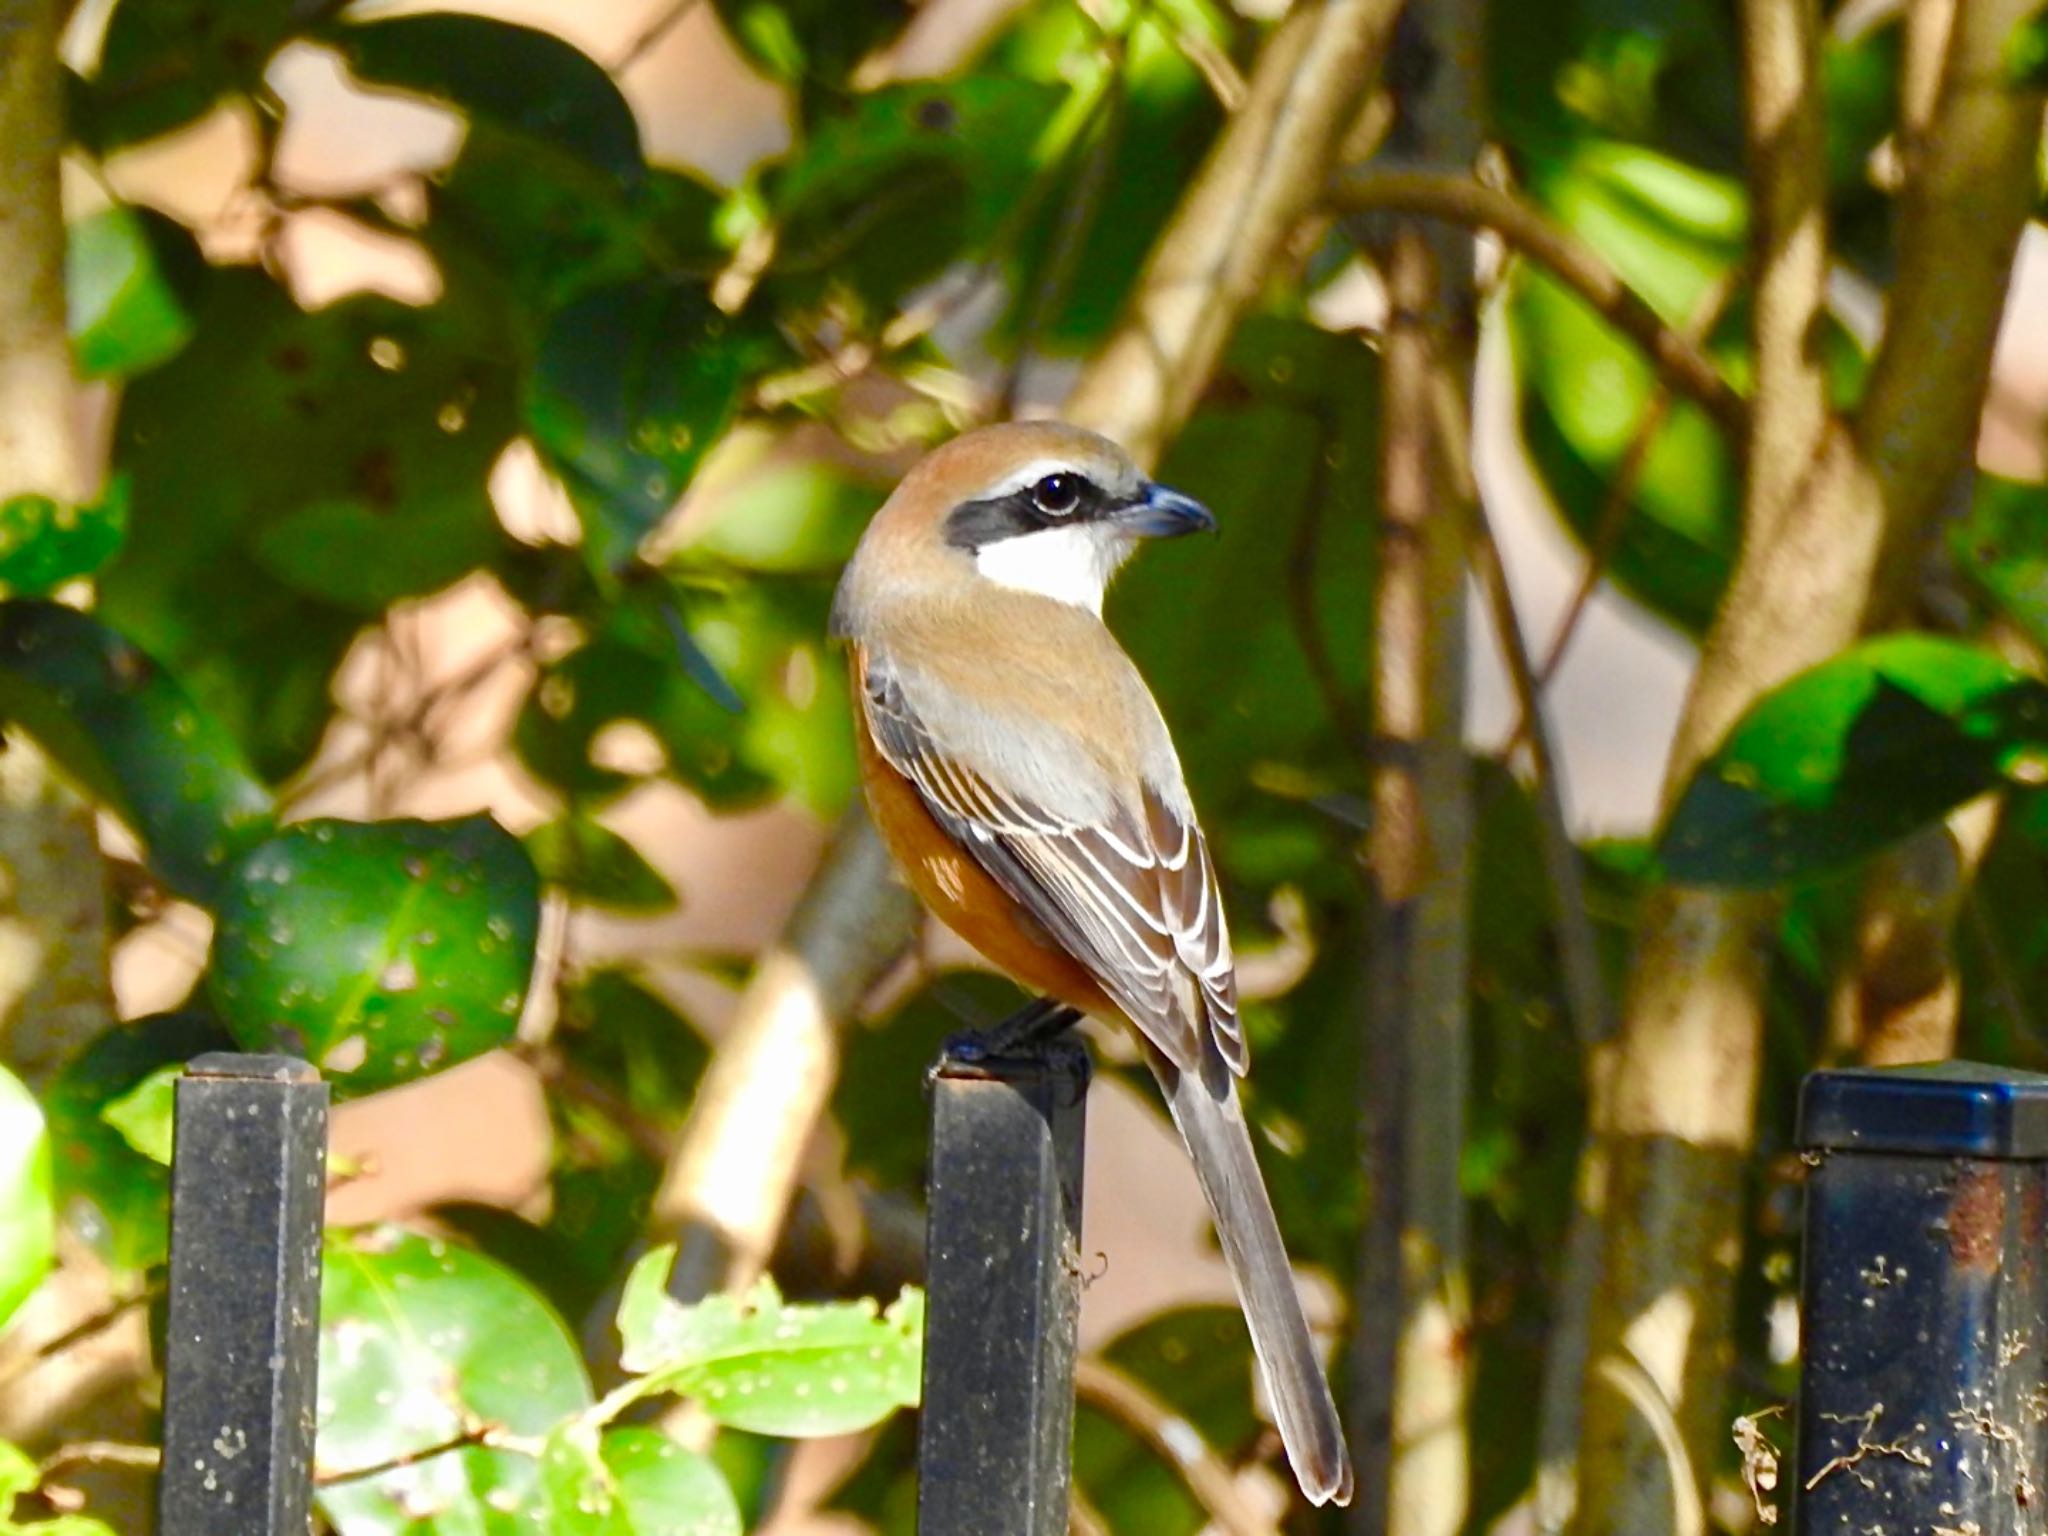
(1162, 514)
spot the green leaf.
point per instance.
(273, 431)
(127, 313)
(633, 383)
(44, 543)
(898, 181)
(2026, 52)
(165, 63)
(381, 950)
(126, 730)
(798, 40)
(1672, 232)
(785, 518)
(146, 1113)
(1849, 756)
(2002, 544)
(519, 79)
(27, 1209)
(420, 1341)
(107, 1192)
(634, 1482)
(18, 1473)
(760, 1364)
(589, 860)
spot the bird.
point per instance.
(1019, 770)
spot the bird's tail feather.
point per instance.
(1212, 1123)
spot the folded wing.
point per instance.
(1132, 895)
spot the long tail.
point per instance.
(1212, 1124)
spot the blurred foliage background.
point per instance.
(428, 442)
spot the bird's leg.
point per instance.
(1024, 1033)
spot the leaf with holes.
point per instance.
(774, 1367)
(1851, 755)
(420, 1342)
(633, 1482)
(127, 731)
(27, 1220)
(379, 950)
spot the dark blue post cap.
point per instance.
(1943, 1109)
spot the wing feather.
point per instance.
(1133, 898)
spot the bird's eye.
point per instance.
(1058, 495)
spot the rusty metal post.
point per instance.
(1924, 1305)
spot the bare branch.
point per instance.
(1473, 204)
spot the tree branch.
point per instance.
(1832, 527)
(1175, 1441)
(1465, 201)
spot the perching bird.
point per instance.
(1020, 772)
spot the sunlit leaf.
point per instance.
(145, 1114)
(774, 1367)
(127, 313)
(380, 950)
(27, 1211)
(798, 40)
(45, 543)
(634, 1482)
(1849, 756)
(420, 1341)
(126, 729)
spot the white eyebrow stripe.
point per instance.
(1037, 470)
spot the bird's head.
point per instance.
(1034, 506)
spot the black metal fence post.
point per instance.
(1924, 1311)
(248, 1182)
(1003, 1285)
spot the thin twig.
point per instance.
(1468, 202)
(665, 21)
(99, 1322)
(474, 1435)
(99, 1453)
(1174, 1440)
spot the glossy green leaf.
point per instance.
(107, 1192)
(634, 1482)
(126, 311)
(27, 1209)
(146, 1113)
(2002, 545)
(419, 1341)
(632, 385)
(1849, 756)
(272, 434)
(774, 1367)
(126, 729)
(588, 860)
(1673, 233)
(518, 78)
(45, 543)
(381, 950)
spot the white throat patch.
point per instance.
(1070, 564)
